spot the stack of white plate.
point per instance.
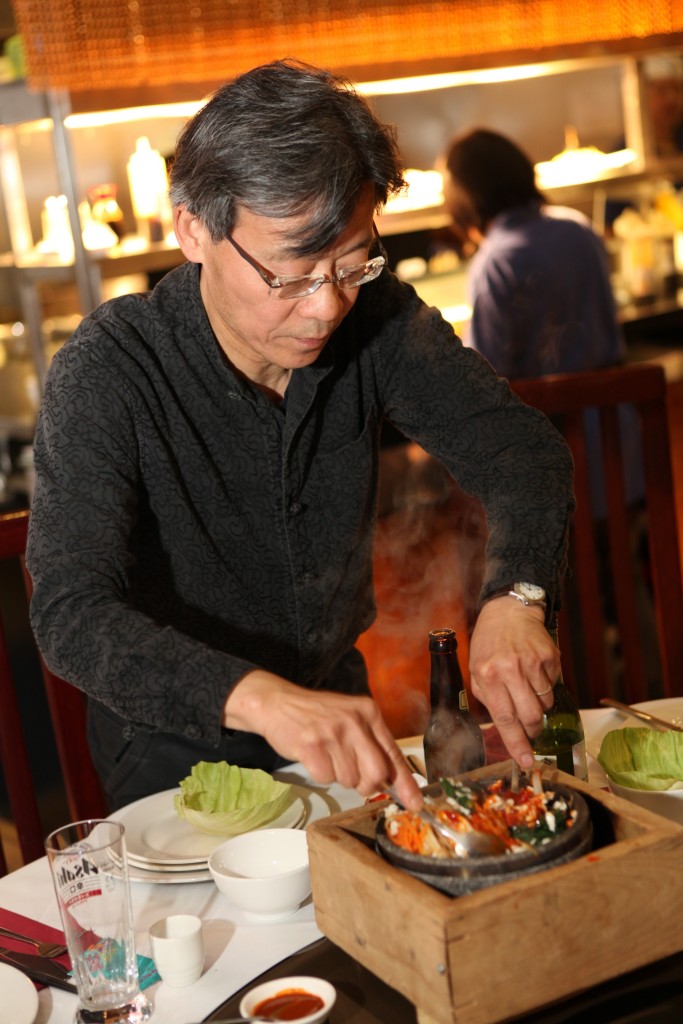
(164, 848)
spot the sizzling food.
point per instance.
(523, 819)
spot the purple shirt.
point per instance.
(541, 296)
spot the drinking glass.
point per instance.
(90, 875)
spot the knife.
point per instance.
(39, 968)
(655, 723)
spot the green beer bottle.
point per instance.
(562, 742)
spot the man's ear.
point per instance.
(190, 234)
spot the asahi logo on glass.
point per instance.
(78, 878)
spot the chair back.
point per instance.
(608, 647)
(67, 710)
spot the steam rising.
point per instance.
(429, 563)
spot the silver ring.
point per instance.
(542, 693)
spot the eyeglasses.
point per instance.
(295, 287)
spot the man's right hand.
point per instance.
(337, 737)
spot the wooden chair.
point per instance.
(585, 660)
(68, 716)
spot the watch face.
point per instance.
(530, 592)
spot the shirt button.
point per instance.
(308, 576)
(193, 731)
(295, 508)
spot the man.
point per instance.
(206, 456)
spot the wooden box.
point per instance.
(501, 952)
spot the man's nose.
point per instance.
(325, 302)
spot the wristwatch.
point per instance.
(529, 594)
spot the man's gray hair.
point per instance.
(285, 140)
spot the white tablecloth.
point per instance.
(237, 950)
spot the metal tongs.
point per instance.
(660, 724)
(467, 844)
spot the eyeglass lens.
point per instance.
(348, 277)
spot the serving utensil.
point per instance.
(48, 949)
(467, 844)
(416, 765)
(660, 724)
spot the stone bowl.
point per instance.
(459, 876)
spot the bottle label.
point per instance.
(572, 760)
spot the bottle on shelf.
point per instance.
(105, 208)
(453, 741)
(562, 743)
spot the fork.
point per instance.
(48, 949)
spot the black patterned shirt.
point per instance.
(185, 529)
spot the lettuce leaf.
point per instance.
(223, 800)
(643, 759)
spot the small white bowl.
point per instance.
(668, 802)
(315, 986)
(264, 872)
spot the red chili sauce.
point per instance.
(290, 1004)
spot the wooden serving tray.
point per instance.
(496, 954)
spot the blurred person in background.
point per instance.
(538, 280)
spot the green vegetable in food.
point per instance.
(223, 800)
(643, 758)
(464, 796)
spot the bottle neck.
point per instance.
(563, 699)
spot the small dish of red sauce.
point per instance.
(290, 1004)
(303, 999)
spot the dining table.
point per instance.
(240, 951)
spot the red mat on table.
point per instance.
(36, 930)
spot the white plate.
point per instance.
(292, 817)
(316, 805)
(19, 996)
(157, 839)
(161, 877)
(668, 708)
